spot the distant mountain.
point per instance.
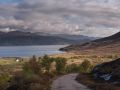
(28, 38)
(107, 44)
(77, 37)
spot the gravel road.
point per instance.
(68, 82)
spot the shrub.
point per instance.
(46, 62)
(85, 66)
(32, 67)
(60, 65)
(33, 78)
(4, 78)
(73, 68)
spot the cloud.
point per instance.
(99, 32)
(87, 17)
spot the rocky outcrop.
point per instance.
(109, 72)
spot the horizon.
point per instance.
(45, 34)
(95, 18)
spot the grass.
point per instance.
(23, 75)
(38, 81)
(32, 76)
(77, 58)
(10, 65)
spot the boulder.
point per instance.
(109, 71)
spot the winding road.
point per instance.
(68, 82)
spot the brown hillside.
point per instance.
(106, 45)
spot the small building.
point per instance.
(17, 60)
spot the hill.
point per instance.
(109, 44)
(28, 38)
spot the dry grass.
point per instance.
(77, 58)
(21, 80)
(10, 65)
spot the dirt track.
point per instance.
(67, 82)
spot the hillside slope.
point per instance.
(109, 44)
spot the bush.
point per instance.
(4, 78)
(73, 68)
(33, 77)
(85, 66)
(60, 65)
(32, 67)
(46, 62)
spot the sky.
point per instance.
(96, 18)
(10, 1)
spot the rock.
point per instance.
(109, 71)
(106, 77)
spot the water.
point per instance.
(26, 51)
